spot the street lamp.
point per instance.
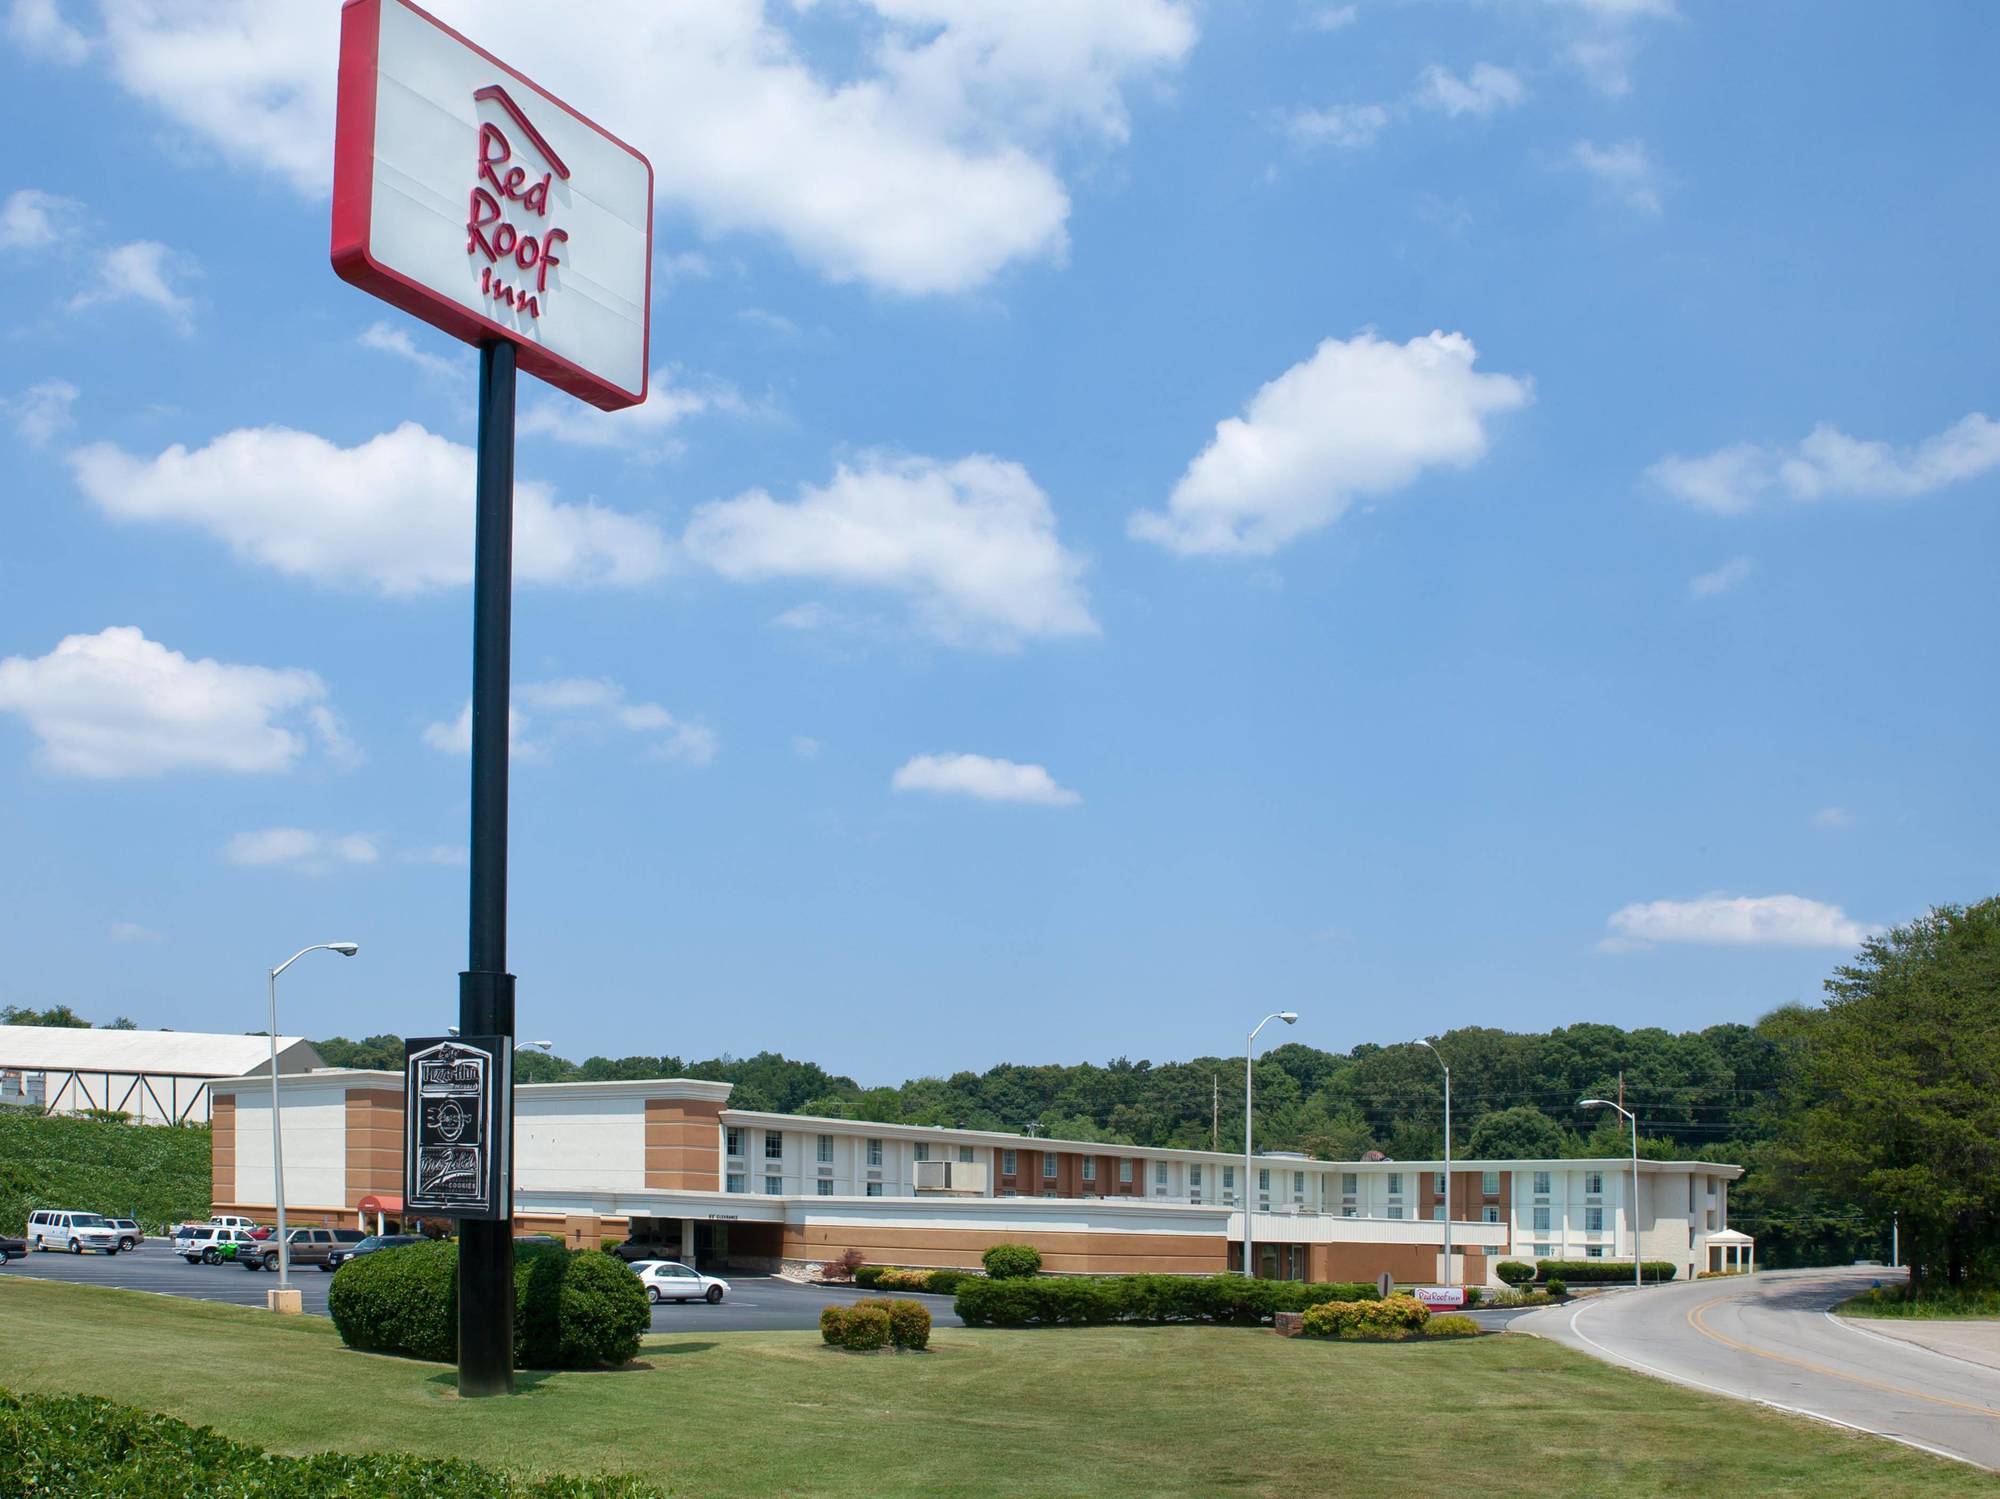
(1605, 1103)
(346, 950)
(1290, 1017)
(1447, 1155)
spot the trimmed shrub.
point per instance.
(1514, 1272)
(843, 1268)
(1393, 1320)
(909, 1323)
(1011, 1261)
(1075, 1301)
(1451, 1327)
(1586, 1272)
(859, 1328)
(572, 1309)
(945, 1282)
(78, 1444)
(1474, 1295)
(868, 1276)
(1557, 1286)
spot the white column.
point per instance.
(687, 1243)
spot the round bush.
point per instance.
(1514, 1273)
(604, 1313)
(860, 1328)
(1452, 1326)
(1011, 1261)
(909, 1322)
(402, 1300)
(1557, 1286)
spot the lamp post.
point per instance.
(346, 950)
(1290, 1017)
(1605, 1103)
(1447, 1155)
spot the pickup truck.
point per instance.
(323, 1247)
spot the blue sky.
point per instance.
(1424, 513)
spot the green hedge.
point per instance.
(1603, 1270)
(572, 1309)
(1388, 1321)
(1079, 1301)
(158, 1174)
(899, 1278)
(1514, 1272)
(77, 1444)
(1012, 1261)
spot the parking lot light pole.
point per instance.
(1605, 1103)
(346, 950)
(1290, 1017)
(1447, 1156)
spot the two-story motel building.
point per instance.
(668, 1161)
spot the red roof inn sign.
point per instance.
(469, 196)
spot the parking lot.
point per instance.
(757, 1303)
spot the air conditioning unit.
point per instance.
(960, 1178)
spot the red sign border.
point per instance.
(354, 196)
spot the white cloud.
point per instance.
(394, 512)
(116, 704)
(925, 166)
(1361, 417)
(1605, 62)
(1731, 574)
(449, 855)
(388, 338)
(1332, 17)
(669, 401)
(1832, 817)
(39, 29)
(41, 411)
(805, 747)
(1621, 10)
(143, 271)
(971, 543)
(568, 706)
(1828, 464)
(1734, 921)
(298, 850)
(31, 219)
(1345, 127)
(1625, 171)
(984, 778)
(132, 931)
(1481, 92)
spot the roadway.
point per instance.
(756, 1303)
(1771, 1338)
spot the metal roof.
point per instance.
(44, 1048)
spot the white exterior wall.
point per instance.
(560, 1140)
(315, 1126)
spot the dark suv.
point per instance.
(634, 1250)
(304, 1246)
(342, 1253)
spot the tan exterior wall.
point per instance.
(374, 1143)
(683, 1145)
(222, 1150)
(1409, 1264)
(960, 1248)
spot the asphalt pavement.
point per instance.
(1771, 1338)
(756, 1303)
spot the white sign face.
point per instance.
(1440, 1295)
(467, 195)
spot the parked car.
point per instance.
(12, 1249)
(130, 1235)
(632, 1251)
(76, 1232)
(340, 1254)
(305, 1246)
(209, 1245)
(666, 1280)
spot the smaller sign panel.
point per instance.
(469, 196)
(1440, 1295)
(457, 1104)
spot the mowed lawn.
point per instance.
(1096, 1412)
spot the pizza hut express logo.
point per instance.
(503, 190)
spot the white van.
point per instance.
(75, 1232)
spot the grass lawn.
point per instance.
(1098, 1412)
(1942, 1305)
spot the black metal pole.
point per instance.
(486, 989)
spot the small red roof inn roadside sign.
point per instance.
(473, 198)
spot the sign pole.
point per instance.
(486, 988)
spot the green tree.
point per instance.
(59, 1015)
(1516, 1133)
(1898, 1109)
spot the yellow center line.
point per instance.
(1696, 1320)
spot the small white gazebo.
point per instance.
(1730, 1252)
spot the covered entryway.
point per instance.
(1731, 1253)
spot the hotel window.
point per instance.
(1711, 1220)
(1690, 1196)
(1437, 1213)
(1542, 1251)
(1125, 1172)
(826, 1188)
(874, 1189)
(1593, 1252)
(773, 1185)
(1541, 1184)
(1263, 1179)
(735, 1141)
(1194, 1176)
(1090, 1168)
(1489, 1184)
(1489, 1215)
(1395, 1184)
(1298, 1186)
(965, 1155)
(923, 1151)
(1159, 1173)
(1048, 1165)
(774, 1145)
(1437, 1183)
(1395, 1210)
(874, 1152)
(826, 1150)
(1348, 1210)
(1593, 1220)
(1593, 1184)
(736, 1183)
(1350, 1183)
(1228, 1177)
(1541, 1220)
(1006, 1163)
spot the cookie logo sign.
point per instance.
(454, 1160)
